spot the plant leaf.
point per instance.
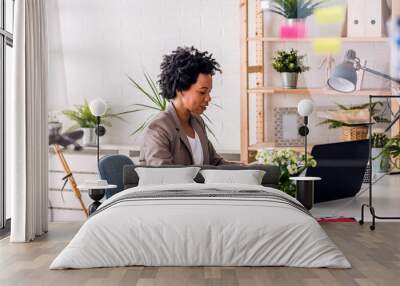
(148, 95)
(146, 106)
(142, 126)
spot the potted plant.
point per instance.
(380, 162)
(392, 151)
(295, 13)
(352, 119)
(289, 64)
(290, 163)
(85, 120)
(293, 9)
(156, 103)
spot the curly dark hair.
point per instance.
(180, 69)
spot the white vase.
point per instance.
(89, 137)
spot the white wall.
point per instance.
(94, 44)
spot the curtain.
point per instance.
(29, 138)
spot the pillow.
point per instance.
(166, 176)
(248, 177)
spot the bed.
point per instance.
(194, 224)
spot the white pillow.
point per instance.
(166, 176)
(248, 177)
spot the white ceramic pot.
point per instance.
(89, 137)
(381, 163)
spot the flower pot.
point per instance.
(293, 29)
(89, 137)
(379, 164)
(289, 79)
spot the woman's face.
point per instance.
(198, 96)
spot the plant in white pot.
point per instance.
(289, 64)
(392, 151)
(295, 11)
(380, 163)
(85, 120)
(292, 9)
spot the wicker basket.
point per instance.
(354, 133)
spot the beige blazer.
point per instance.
(165, 142)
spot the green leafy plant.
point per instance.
(294, 9)
(83, 117)
(290, 163)
(289, 61)
(379, 140)
(156, 103)
(392, 151)
(332, 124)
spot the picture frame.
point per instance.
(286, 124)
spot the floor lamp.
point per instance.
(97, 188)
(305, 108)
(344, 79)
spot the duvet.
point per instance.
(203, 225)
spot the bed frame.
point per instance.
(270, 179)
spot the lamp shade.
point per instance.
(344, 78)
(98, 107)
(305, 107)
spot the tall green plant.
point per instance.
(83, 117)
(156, 103)
(294, 9)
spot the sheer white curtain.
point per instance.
(29, 142)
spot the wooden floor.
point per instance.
(375, 257)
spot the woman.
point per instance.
(178, 135)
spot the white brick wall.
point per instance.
(95, 43)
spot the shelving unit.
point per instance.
(314, 91)
(309, 40)
(258, 45)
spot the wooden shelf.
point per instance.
(272, 145)
(256, 46)
(315, 91)
(309, 40)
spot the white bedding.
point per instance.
(200, 231)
